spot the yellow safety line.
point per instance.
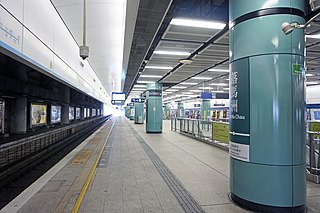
(89, 178)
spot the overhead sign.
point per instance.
(206, 95)
(118, 98)
(137, 100)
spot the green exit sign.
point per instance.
(297, 69)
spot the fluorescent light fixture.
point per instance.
(195, 90)
(172, 90)
(226, 88)
(138, 89)
(217, 91)
(312, 82)
(201, 78)
(160, 52)
(188, 83)
(165, 92)
(140, 86)
(178, 87)
(218, 70)
(150, 76)
(309, 74)
(205, 88)
(144, 82)
(219, 84)
(313, 36)
(159, 67)
(197, 23)
(187, 93)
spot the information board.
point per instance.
(220, 132)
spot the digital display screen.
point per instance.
(71, 113)
(118, 96)
(1, 115)
(38, 114)
(55, 114)
(78, 113)
(94, 112)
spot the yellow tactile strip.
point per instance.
(77, 186)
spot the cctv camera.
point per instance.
(84, 52)
(287, 28)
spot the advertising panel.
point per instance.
(71, 113)
(85, 112)
(88, 113)
(98, 111)
(55, 114)
(78, 113)
(1, 116)
(38, 114)
(94, 112)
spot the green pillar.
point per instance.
(205, 109)
(131, 116)
(180, 110)
(267, 99)
(138, 113)
(154, 108)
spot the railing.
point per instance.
(15, 151)
(313, 159)
(207, 132)
(203, 130)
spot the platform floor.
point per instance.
(138, 172)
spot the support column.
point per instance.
(154, 108)
(180, 110)
(205, 109)
(82, 113)
(65, 106)
(18, 116)
(138, 113)
(267, 95)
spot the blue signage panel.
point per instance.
(137, 100)
(206, 95)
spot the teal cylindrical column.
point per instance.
(205, 109)
(180, 110)
(154, 108)
(138, 113)
(131, 116)
(267, 99)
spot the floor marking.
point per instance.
(16, 204)
(81, 157)
(89, 178)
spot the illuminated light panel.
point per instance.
(201, 78)
(309, 75)
(226, 88)
(217, 91)
(178, 87)
(204, 88)
(312, 82)
(138, 89)
(188, 83)
(160, 52)
(145, 82)
(313, 36)
(140, 86)
(150, 76)
(172, 90)
(195, 90)
(197, 23)
(219, 84)
(159, 67)
(218, 70)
